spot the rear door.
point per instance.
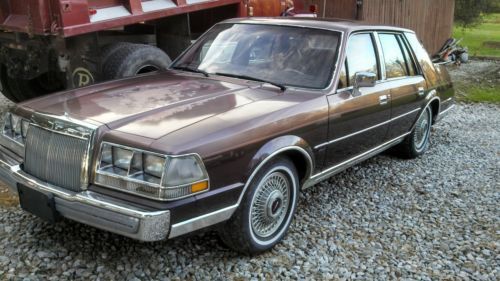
(357, 123)
(407, 84)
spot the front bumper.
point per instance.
(89, 207)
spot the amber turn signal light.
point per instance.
(197, 187)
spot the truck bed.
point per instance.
(73, 17)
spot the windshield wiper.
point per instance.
(282, 87)
(191, 69)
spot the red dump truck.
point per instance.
(52, 45)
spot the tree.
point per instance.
(469, 13)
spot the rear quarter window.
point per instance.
(423, 58)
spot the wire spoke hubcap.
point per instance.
(422, 130)
(270, 204)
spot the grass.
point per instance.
(482, 40)
(478, 93)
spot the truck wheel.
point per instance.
(127, 59)
(18, 90)
(266, 211)
(108, 50)
(416, 143)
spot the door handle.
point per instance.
(421, 91)
(383, 100)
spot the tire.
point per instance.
(108, 50)
(18, 90)
(275, 188)
(417, 143)
(127, 59)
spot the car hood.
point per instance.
(150, 106)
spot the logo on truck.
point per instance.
(82, 77)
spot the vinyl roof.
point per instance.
(346, 26)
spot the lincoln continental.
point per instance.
(255, 111)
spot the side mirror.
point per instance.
(363, 79)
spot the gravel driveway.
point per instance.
(433, 218)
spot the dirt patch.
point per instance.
(491, 44)
(7, 198)
(476, 71)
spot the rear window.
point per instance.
(394, 60)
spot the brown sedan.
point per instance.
(252, 112)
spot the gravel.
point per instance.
(431, 218)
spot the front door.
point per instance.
(358, 121)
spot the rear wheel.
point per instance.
(416, 143)
(266, 211)
(17, 90)
(127, 59)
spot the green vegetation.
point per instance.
(478, 93)
(483, 39)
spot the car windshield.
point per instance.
(281, 55)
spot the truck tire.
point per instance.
(109, 50)
(18, 90)
(127, 59)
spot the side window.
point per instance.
(395, 65)
(410, 63)
(360, 56)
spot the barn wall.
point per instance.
(345, 9)
(431, 19)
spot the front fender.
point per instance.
(280, 145)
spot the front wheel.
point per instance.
(416, 143)
(266, 210)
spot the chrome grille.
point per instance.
(59, 159)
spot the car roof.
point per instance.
(335, 24)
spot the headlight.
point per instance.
(15, 128)
(152, 175)
(13, 133)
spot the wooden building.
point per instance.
(431, 19)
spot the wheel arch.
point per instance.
(293, 147)
(434, 103)
(435, 108)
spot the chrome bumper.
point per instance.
(92, 208)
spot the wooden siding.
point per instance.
(432, 20)
(345, 9)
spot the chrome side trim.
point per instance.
(433, 92)
(353, 161)
(366, 129)
(202, 221)
(447, 100)
(271, 156)
(226, 213)
(444, 112)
